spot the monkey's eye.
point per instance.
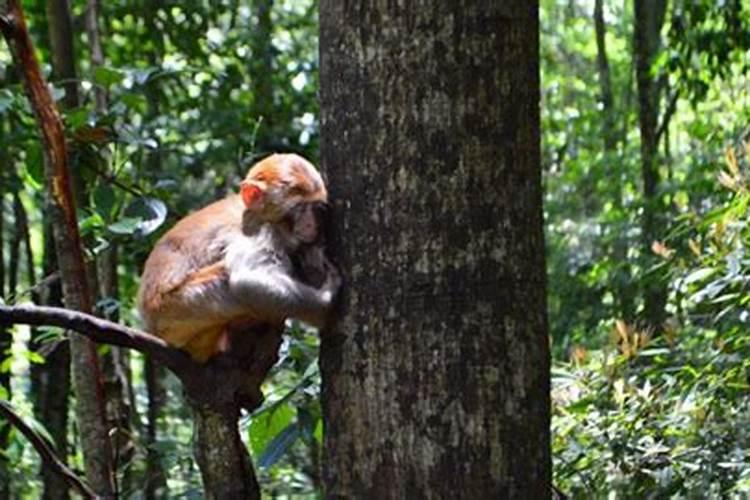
(321, 210)
(320, 207)
(297, 191)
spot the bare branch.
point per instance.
(98, 330)
(45, 451)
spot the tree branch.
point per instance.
(668, 112)
(45, 451)
(99, 330)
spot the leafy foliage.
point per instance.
(196, 90)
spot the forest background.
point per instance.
(645, 113)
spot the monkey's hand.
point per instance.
(333, 281)
(309, 264)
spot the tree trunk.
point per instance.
(6, 339)
(611, 137)
(261, 69)
(86, 371)
(116, 360)
(436, 377)
(223, 459)
(649, 18)
(156, 479)
(605, 79)
(51, 380)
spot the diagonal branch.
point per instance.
(46, 451)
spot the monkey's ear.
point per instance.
(252, 194)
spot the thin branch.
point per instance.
(112, 179)
(671, 108)
(99, 330)
(46, 451)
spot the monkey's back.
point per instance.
(195, 242)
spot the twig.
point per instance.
(46, 452)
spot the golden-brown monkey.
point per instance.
(227, 267)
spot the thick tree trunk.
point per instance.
(649, 18)
(86, 372)
(436, 377)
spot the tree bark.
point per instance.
(86, 372)
(611, 137)
(6, 339)
(115, 361)
(221, 455)
(649, 18)
(156, 477)
(261, 69)
(436, 377)
(51, 380)
(605, 79)
(60, 27)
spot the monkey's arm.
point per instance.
(271, 292)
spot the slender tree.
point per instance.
(649, 18)
(6, 339)
(156, 479)
(261, 70)
(436, 377)
(86, 372)
(611, 134)
(116, 360)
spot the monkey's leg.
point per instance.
(195, 313)
(206, 344)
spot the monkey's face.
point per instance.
(304, 221)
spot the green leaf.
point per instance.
(279, 445)
(699, 275)
(125, 226)
(267, 426)
(6, 365)
(35, 164)
(76, 117)
(318, 432)
(6, 100)
(151, 213)
(581, 405)
(106, 77)
(35, 358)
(133, 101)
(142, 217)
(104, 201)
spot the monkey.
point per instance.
(228, 267)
